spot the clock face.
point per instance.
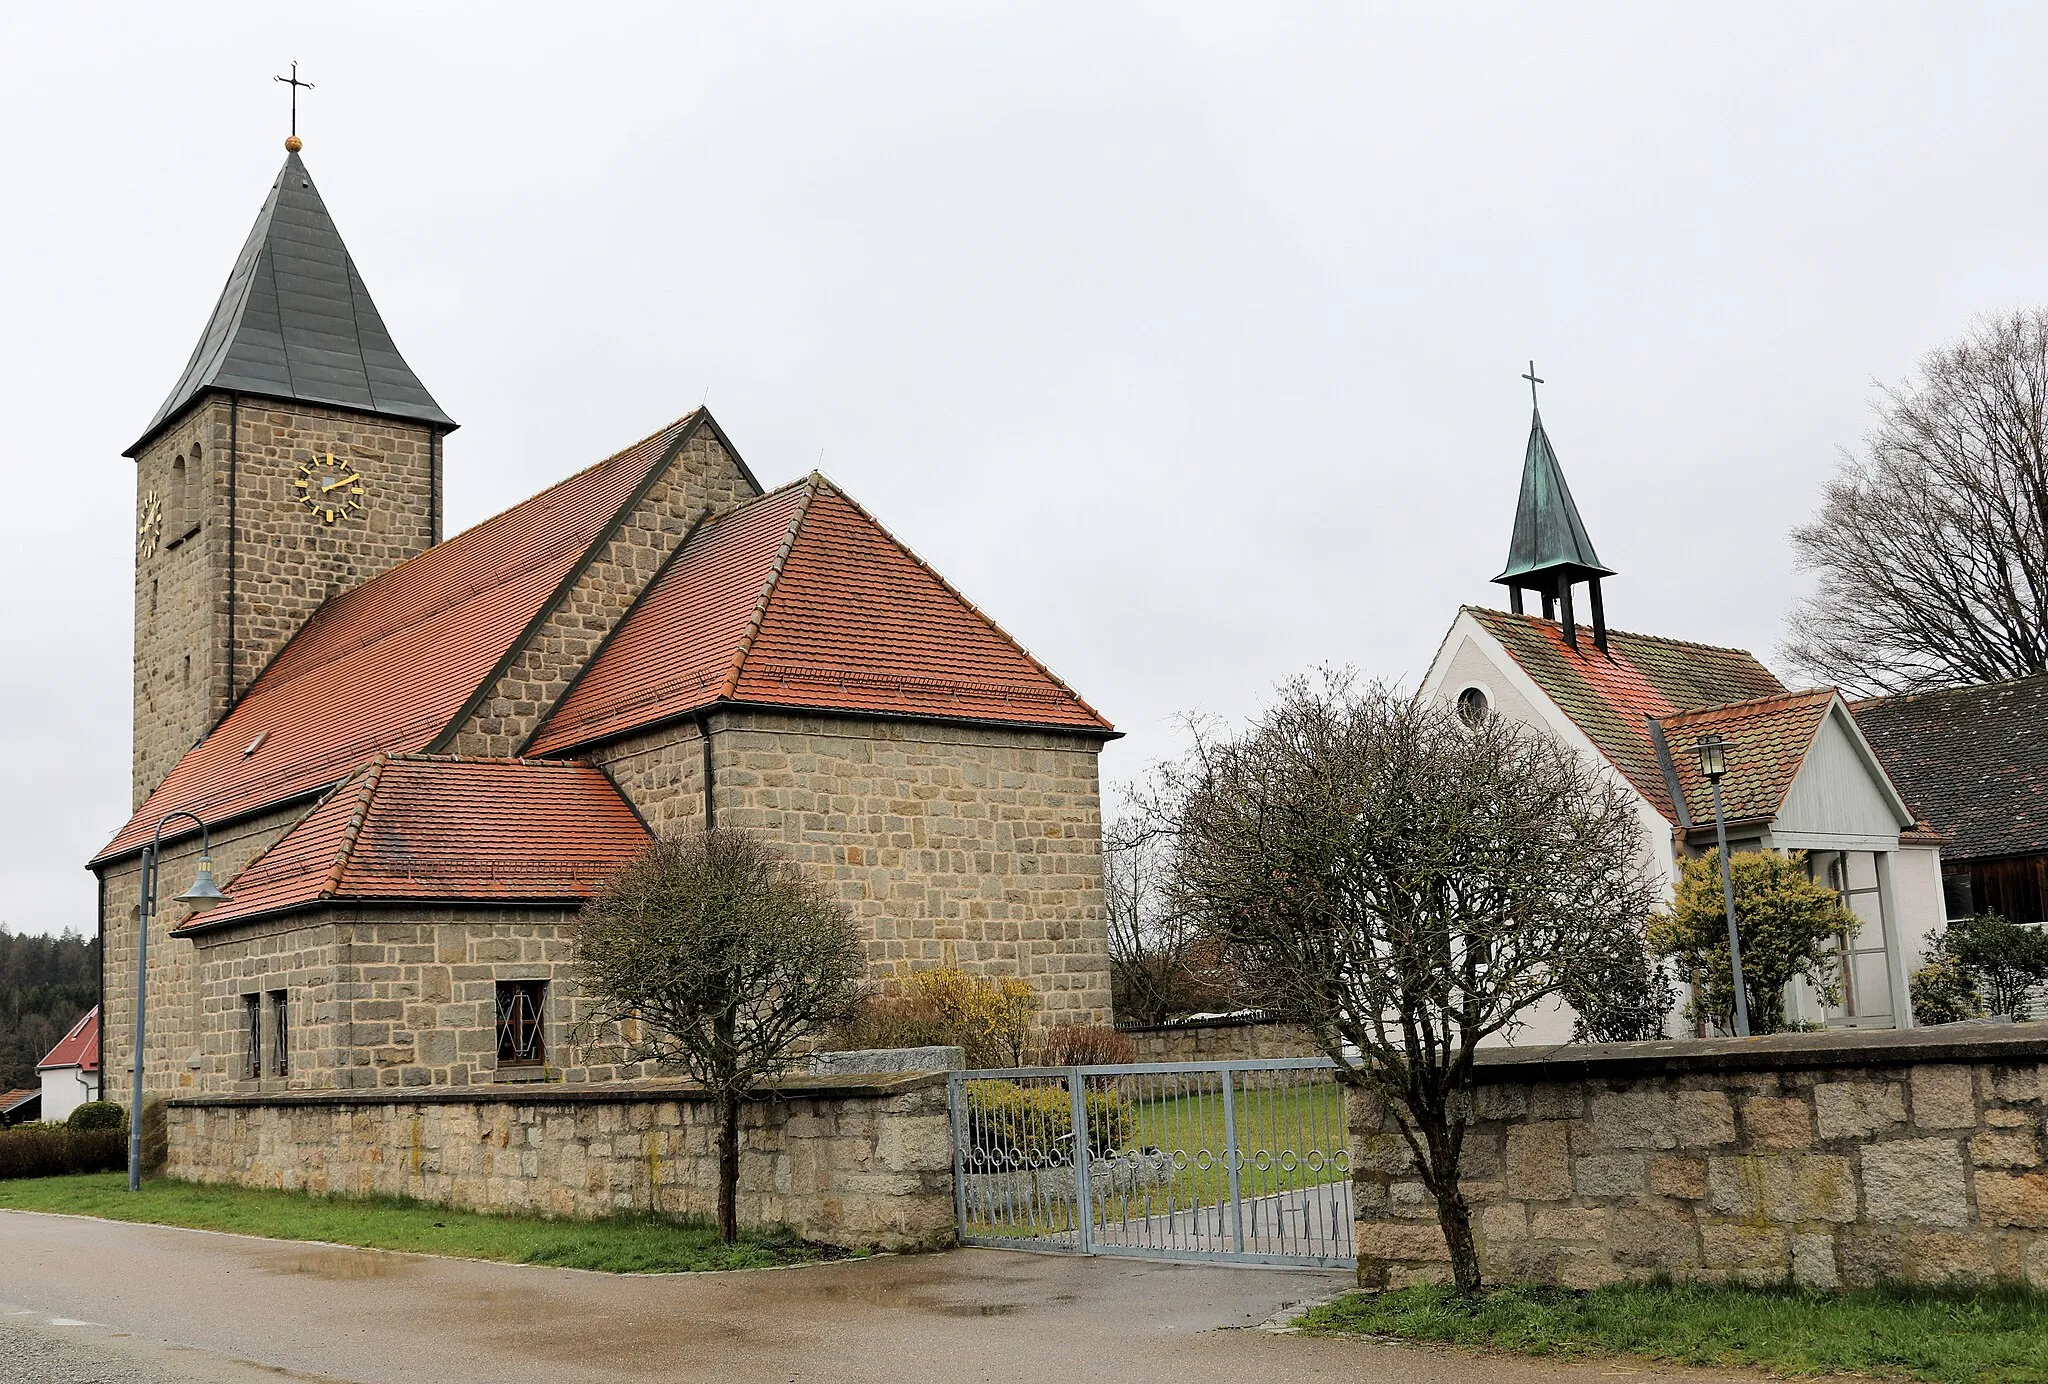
(330, 486)
(149, 523)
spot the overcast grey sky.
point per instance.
(1184, 340)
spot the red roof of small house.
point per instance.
(79, 1048)
(1610, 695)
(389, 665)
(800, 599)
(433, 828)
(1767, 742)
(14, 1100)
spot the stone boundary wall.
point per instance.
(1218, 1040)
(1833, 1159)
(855, 1162)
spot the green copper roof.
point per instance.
(1549, 535)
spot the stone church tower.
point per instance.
(297, 457)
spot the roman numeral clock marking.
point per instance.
(331, 486)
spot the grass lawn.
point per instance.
(1275, 1120)
(621, 1244)
(1987, 1336)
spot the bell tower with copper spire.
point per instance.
(1550, 552)
(296, 457)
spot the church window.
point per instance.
(174, 518)
(280, 1034)
(1472, 705)
(252, 1036)
(521, 1007)
(188, 670)
(152, 595)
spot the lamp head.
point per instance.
(204, 893)
(1713, 752)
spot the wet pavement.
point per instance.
(94, 1300)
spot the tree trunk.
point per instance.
(728, 1169)
(1456, 1220)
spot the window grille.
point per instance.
(252, 1031)
(280, 1033)
(521, 1011)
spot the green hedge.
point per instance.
(52, 1152)
(98, 1114)
(1007, 1121)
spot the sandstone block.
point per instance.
(2005, 1148)
(1403, 1241)
(2013, 1199)
(1944, 1097)
(1608, 1175)
(1504, 1221)
(1857, 1109)
(1921, 1181)
(1739, 1245)
(1653, 1235)
(1632, 1120)
(1704, 1119)
(1778, 1122)
(1673, 1176)
(1568, 1223)
(1538, 1164)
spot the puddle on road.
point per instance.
(345, 1265)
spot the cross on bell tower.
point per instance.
(1550, 551)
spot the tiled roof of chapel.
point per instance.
(420, 828)
(386, 667)
(1974, 760)
(802, 600)
(1767, 742)
(1609, 695)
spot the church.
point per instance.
(1800, 773)
(413, 758)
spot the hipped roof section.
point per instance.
(1767, 742)
(296, 322)
(444, 829)
(388, 666)
(802, 600)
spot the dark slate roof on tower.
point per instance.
(295, 322)
(1549, 534)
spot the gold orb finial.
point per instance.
(292, 145)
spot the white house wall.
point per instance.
(65, 1089)
(1835, 802)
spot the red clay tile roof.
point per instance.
(443, 829)
(79, 1048)
(1973, 760)
(386, 667)
(801, 599)
(1767, 742)
(1608, 695)
(11, 1099)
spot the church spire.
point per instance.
(1550, 550)
(296, 323)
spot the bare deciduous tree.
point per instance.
(1404, 884)
(714, 954)
(1160, 964)
(1932, 547)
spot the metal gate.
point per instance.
(1241, 1161)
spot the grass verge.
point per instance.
(641, 1243)
(1990, 1335)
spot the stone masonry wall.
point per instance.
(857, 1162)
(1829, 1159)
(701, 476)
(974, 847)
(285, 560)
(1223, 1040)
(385, 998)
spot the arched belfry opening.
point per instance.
(1550, 552)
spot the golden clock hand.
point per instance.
(337, 484)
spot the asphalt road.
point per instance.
(85, 1300)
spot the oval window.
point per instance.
(1472, 705)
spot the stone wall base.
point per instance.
(854, 1163)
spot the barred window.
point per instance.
(280, 1033)
(252, 1035)
(522, 1008)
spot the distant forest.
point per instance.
(46, 985)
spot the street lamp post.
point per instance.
(1713, 752)
(201, 896)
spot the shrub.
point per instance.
(989, 1018)
(1943, 992)
(1791, 926)
(98, 1114)
(2003, 961)
(892, 1021)
(1083, 1045)
(1014, 1125)
(156, 1136)
(54, 1151)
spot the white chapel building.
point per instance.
(1800, 775)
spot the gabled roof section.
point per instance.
(1767, 742)
(79, 1048)
(1972, 760)
(387, 667)
(295, 321)
(1549, 535)
(1609, 695)
(800, 599)
(425, 828)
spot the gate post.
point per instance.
(957, 1117)
(1084, 1212)
(1230, 1159)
